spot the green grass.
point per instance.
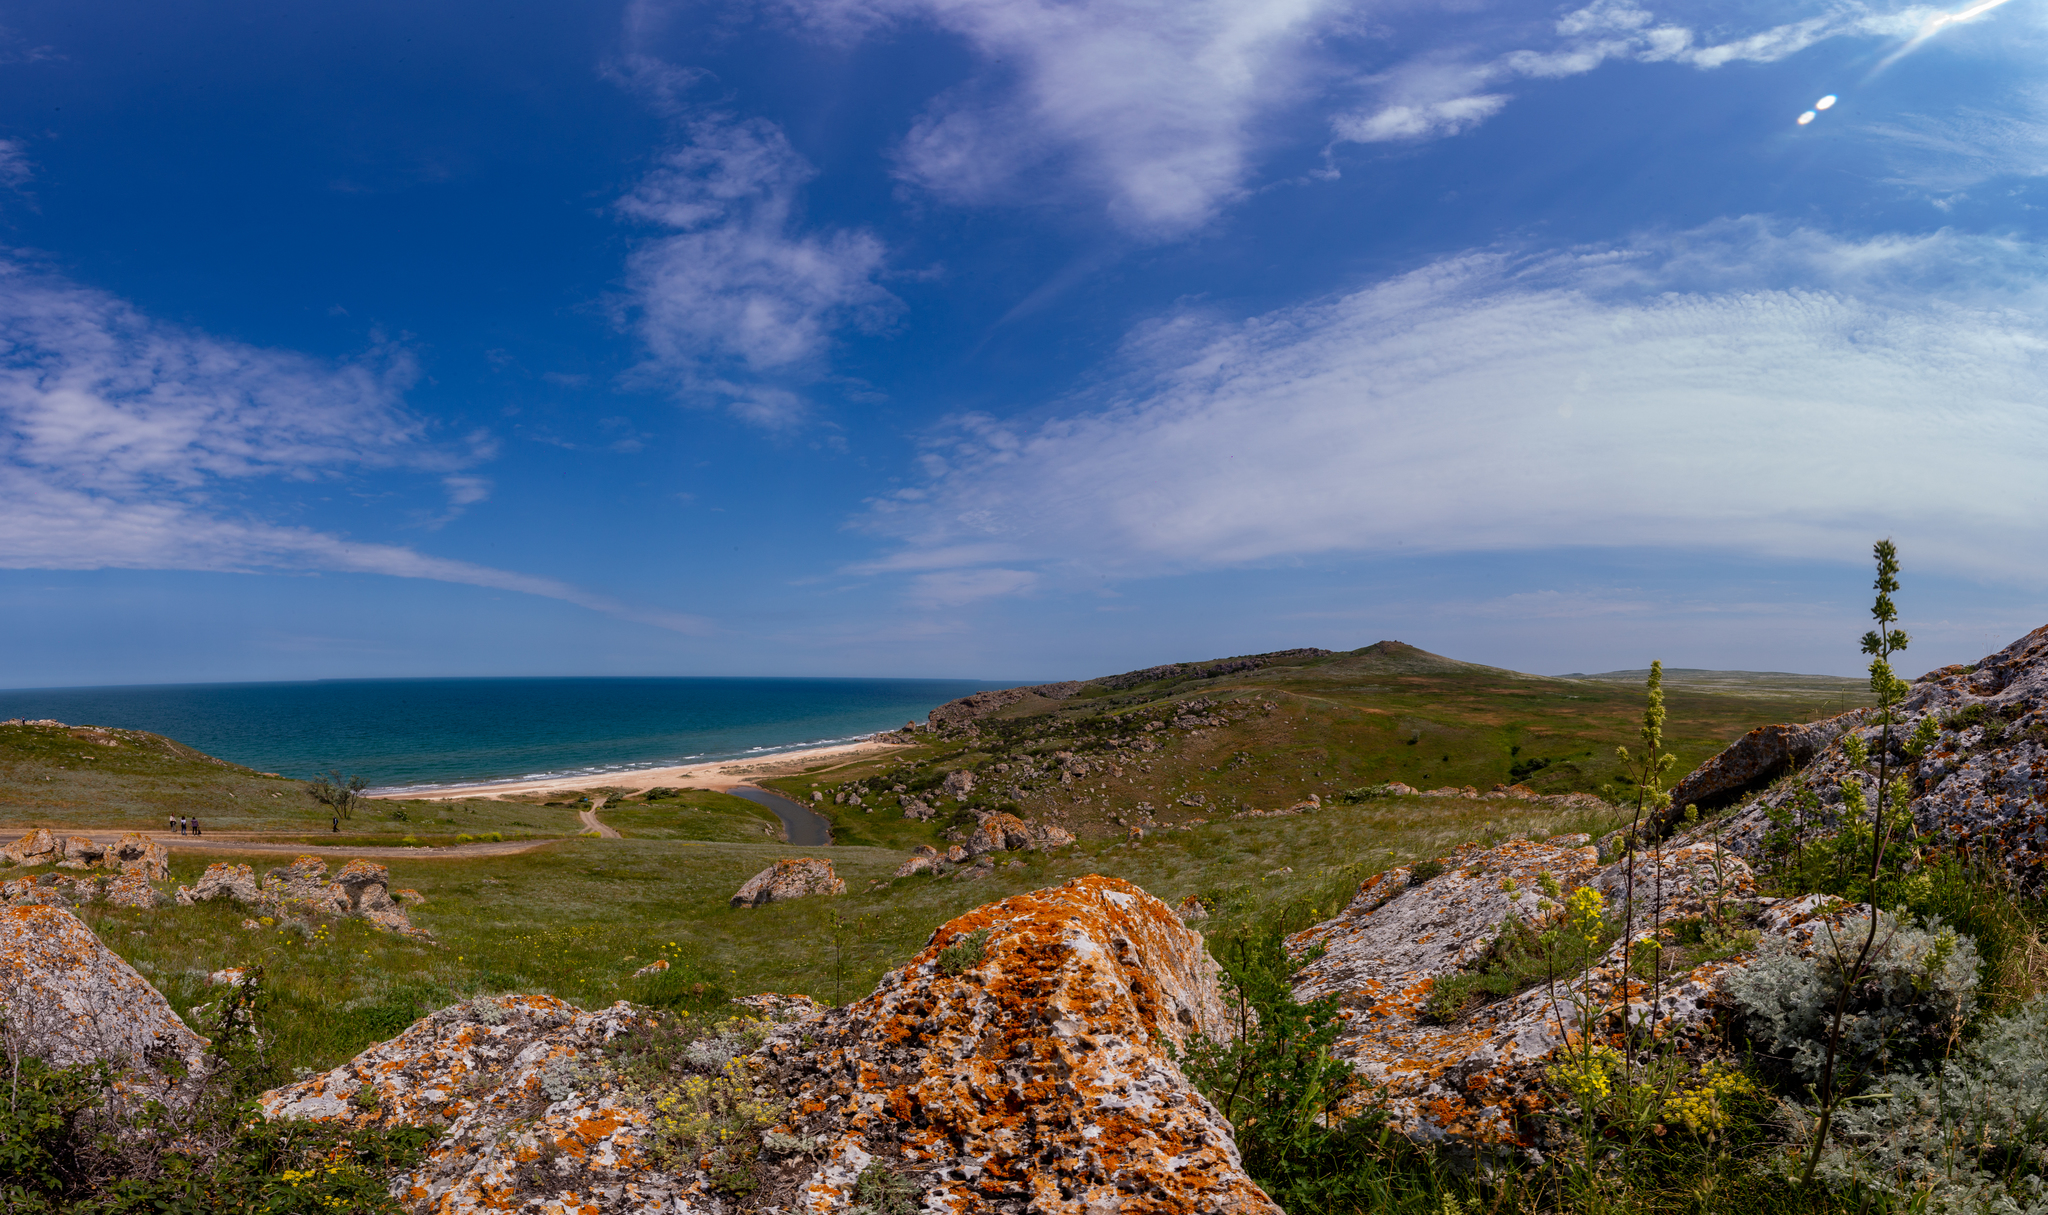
(1385, 713)
(691, 814)
(577, 918)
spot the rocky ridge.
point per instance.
(1018, 1063)
(1983, 785)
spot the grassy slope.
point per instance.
(1387, 712)
(578, 917)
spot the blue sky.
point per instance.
(1013, 338)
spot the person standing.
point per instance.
(171, 823)
(195, 826)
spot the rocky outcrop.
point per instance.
(134, 854)
(1020, 1062)
(958, 783)
(983, 704)
(38, 847)
(1983, 785)
(302, 889)
(71, 1000)
(1001, 832)
(222, 880)
(528, 1110)
(1756, 759)
(1474, 1076)
(791, 878)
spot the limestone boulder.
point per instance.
(1037, 1077)
(137, 855)
(1473, 1079)
(1756, 759)
(958, 783)
(917, 808)
(999, 833)
(1020, 1062)
(81, 853)
(302, 887)
(792, 878)
(38, 847)
(134, 890)
(223, 880)
(71, 1000)
(528, 1108)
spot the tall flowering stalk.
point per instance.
(1647, 769)
(1880, 643)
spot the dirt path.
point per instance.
(186, 843)
(589, 819)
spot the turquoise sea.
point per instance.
(416, 733)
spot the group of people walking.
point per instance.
(184, 825)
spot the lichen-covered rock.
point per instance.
(1034, 1076)
(999, 833)
(958, 783)
(1474, 1079)
(137, 855)
(223, 880)
(134, 890)
(81, 853)
(791, 878)
(1677, 881)
(1754, 760)
(1035, 1079)
(302, 886)
(533, 1123)
(38, 847)
(1984, 783)
(71, 1000)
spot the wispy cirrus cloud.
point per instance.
(126, 443)
(1151, 107)
(1448, 91)
(1743, 389)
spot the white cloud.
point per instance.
(740, 304)
(15, 169)
(1151, 105)
(1433, 96)
(1739, 389)
(129, 444)
(956, 588)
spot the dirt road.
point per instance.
(186, 843)
(589, 820)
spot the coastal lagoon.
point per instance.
(423, 733)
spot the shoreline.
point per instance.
(715, 775)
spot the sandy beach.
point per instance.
(722, 775)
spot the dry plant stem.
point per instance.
(1880, 643)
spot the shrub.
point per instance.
(1908, 1004)
(1970, 1136)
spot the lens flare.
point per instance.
(1806, 118)
(1935, 25)
(1826, 102)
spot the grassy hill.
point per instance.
(1188, 745)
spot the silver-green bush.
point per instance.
(1970, 1135)
(1907, 1007)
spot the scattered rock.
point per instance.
(38, 847)
(81, 853)
(137, 855)
(133, 890)
(916, 808)
(71, 1000)
(222, 880)
(958, 784)
(360, 890)
(652, 968)
(793, 878)
(1191, 910)
(1473, 1080)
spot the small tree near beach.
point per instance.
(338, 793)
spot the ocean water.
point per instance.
(419, 733)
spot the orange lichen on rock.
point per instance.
(1036, 1078)
(70, 1000)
